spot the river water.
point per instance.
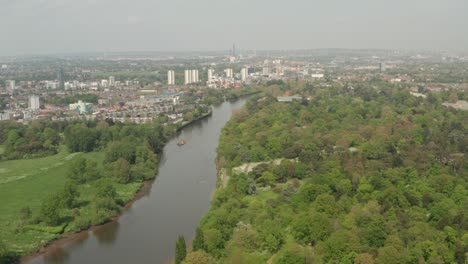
(172, 206)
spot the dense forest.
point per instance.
(347, 175)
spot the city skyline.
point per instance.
(52, 27)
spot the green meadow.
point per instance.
(28, 182)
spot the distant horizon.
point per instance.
(225, 52)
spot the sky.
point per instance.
(71, 26)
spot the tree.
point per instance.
(77, 169)
(69, 194)
(181, 250)
(121, 170)
(394, 251)
(197, 257)
(311, 227)
(364, 258)
(104, 196)
(271, 235)
(80, 138)
(199, 241)
(50, 209)
(290, 257)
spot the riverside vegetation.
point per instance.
(367, 175)
(60, 177)
(82, 174)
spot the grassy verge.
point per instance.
(28, 183)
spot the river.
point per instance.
(172, 206)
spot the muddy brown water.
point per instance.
(146, 232)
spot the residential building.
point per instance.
(188, 77)
(229, 73)
(34, 102)
(210, 74)
(170, 78)
(195, 76)
(244, 74)
(82, 107)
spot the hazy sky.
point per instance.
(56, 26)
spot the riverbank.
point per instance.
(59, 243)
(184, 125)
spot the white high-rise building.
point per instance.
(210, 74)
(34, 102)
(229, 73)
(195, 76)
(188, 77)
(111, 80)
(244, 74)
(170, 77)
(104, 83)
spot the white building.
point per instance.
(188, 77)
(51, 84)
(195, 76)
(229, 73)
(244, 74)
(170, 78)
(6, 115)
(191, 76)
(210, 74)
(34, 102)
(82, 107)
(104, 83)
(317, 75)
(266, 71)
(111, 80)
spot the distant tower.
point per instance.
(194, 77)
(34, 103)
(111, 80)
(234, 50)
(170, 77)
(244, 74)
(210, 74)
(188, 77)
(60, 80)
(228, 73)
(382, 67)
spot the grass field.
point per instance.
(27, 183)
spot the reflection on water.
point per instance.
(108, 233)
(59, 256)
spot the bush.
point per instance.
(82, 223)
(47, 229)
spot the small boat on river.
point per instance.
(181, 142)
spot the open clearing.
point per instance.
(27, 183)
